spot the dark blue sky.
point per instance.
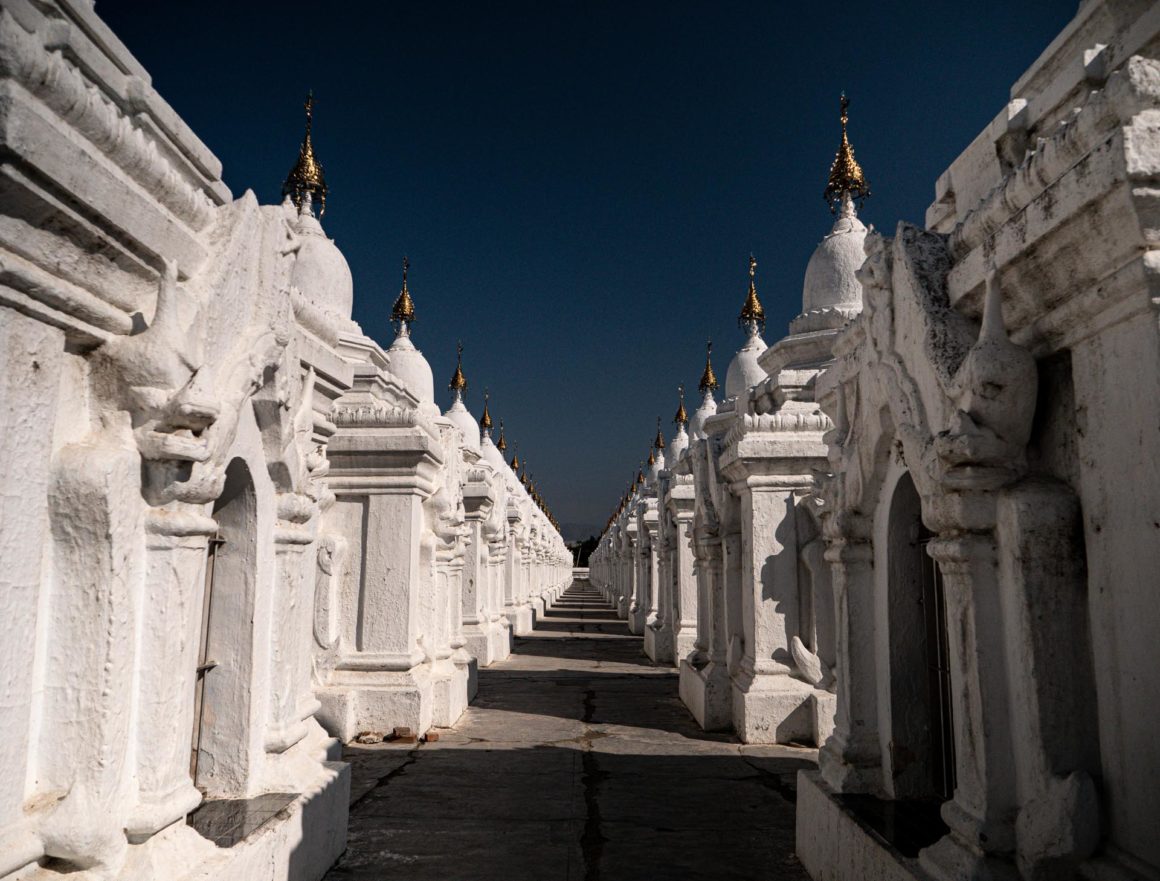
(579, 185)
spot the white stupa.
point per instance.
(680, 441)
(707, 386)
(457, 413)
(404, 360)
(744, 371)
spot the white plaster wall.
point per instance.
(31, 364)
(1117, 381)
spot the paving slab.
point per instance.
(577, 762)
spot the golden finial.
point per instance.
(682, 418)
(708, 378)
(846, 177)
(485, 419)
(502, 445)
(306, 181)
(403, 311)
(659, 443)
(458, 380)
(752, 312)
(652, 459)
(515, 463)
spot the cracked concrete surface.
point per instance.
(577, 762)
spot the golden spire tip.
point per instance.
(752, 312)
(306, 182)
(403, 312)
(682, 417)
(708, 377)
(847, 180)
(458, 380)
(485, 419)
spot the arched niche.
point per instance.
(921, 732)
(221, 735)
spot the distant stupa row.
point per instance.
(247, 534)
(742, 471)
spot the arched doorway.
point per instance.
(922, 752)
(219, 762)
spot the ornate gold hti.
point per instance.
(708, 377)
(846, 176)
(458, 380)
(485, 419)
(404, 309)
(752, 312)
(306, 177)
(682, 418)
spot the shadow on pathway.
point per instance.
(577, 762)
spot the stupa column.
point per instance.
(498, 558)
(665, 568)
(526, 577)
(290, 704)
(685, 600)
(658, 640)
(477, 502)
(982, 811)
(620, 575)
(386, 467)
(177, 541)
(850, 760)
(441, 606)
(513, 575)
(460, 656)
(704, 682)
(770, 704)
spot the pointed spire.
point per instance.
(502, 445)
(652, 459)
(847, 181)
(992, 327)
(458, 382)
(659, 443)
(682, 418)
(485, 419)
(708, 379)
(752, 313)
(306, 183)
(403, 312)
(515, 463)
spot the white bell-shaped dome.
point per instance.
(320, 271)
(697, 423)
(658, 464)
(744, 371)
(412, 370)
(831, 280)
(491, 454)
(459, 416)
(677, 446)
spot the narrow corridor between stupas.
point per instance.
(576, 757)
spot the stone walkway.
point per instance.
(577, 762)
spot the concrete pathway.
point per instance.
(577, 762)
